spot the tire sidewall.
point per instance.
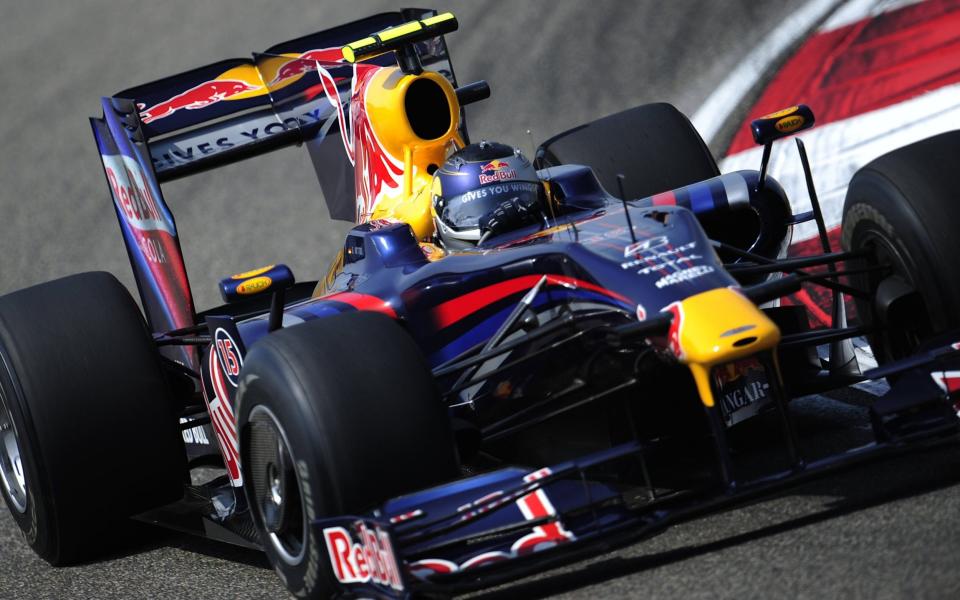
(310, 577)
(96, 427)
(877, 208)
(40, 539)
(363, 420)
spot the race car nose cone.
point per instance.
(721, 325)
(718, 326)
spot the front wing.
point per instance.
(509, 523)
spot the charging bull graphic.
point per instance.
(376, 171)
(305, 63)
(201, 96)
(243, 82)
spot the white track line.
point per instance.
(857, 10)
(715, 111)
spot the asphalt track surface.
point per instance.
(888, 530)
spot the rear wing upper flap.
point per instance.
(241, 107)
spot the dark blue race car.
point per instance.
(428, 421)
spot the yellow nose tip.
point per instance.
(718, 326)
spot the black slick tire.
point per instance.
(654, 146)
(84, 395)
(904, 210)
(335, 416)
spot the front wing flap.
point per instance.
(505, 524)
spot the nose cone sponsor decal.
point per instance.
(743, 389)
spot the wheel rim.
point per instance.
(11, 466)
(895, 344)
(277, 489)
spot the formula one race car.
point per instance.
(425, 423)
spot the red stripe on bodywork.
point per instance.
(867, 65)
(665, 199)
(451, 311)
(364, 302)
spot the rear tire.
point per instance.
(654, 146)
(335, 416)
(904, 209)
(85, 411)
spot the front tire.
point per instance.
(335, 416)
(654, 146)
(903, 209)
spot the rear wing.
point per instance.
(239, 107)
(222, 113)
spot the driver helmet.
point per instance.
(475, 181)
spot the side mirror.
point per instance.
(782, 123)
(774, 126)
(256, 282)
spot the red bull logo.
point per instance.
(495, 165)
(135, 200)
(200, 96)
(242, 82)
(730, 373)
(369, 560)
(676, 325)
(306, 63)
(500, 170)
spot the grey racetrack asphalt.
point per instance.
(888, 530)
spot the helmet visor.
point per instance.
(463, 212)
